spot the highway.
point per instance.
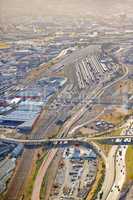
(51, 155)
(77, 116)
(114, 177)
(67, 128)
(41, 173)
(46, 163)
(45, 128)
(36, 188)
(120, 174)
(71, 132)
(120, 165)
(109, 174)
(97, 92)
(118, 139)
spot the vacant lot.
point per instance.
(129, 163)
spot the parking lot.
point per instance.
(74, 179)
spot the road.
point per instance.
(113, 175)
(100, 93)
(42, 171)
(37, 187)
(120, 166)
(95, 93)
(38, 142)
(77, 116)
(115, 164)
(120, 174)
(80, 112)
(109, 174)
(66, 129)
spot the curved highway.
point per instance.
(75, 118)
(68, 125)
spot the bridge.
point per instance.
(64, 142)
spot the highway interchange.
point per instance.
(88, 75)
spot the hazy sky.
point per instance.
(45, 7)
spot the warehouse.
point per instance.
(16, 118)
(28, 105)
(27, 126)
(23, 117)
(30, 93)
(43, 89)
(6, 168)
(55, 82)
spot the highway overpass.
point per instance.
(62, 142)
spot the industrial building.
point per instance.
(6, 169)
(22, 111)
(42, 89)
(20, 119)
(76, 153)
(8, 155)
(23, 116)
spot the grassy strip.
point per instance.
(129, 163)
(98, 183)
(110, 133)
(49, 178)
(116, 132)
(44, 187)
(30, 184)
(105, 147)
